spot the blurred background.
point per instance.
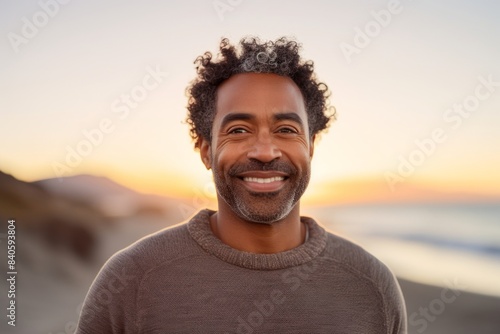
(95, 154)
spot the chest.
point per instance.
(305, 299)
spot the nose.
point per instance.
(264, 149)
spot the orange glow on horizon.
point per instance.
(200, 188)
(347, 191)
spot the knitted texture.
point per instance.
(183, 279)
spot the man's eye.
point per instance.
(287, 130)
(238, 130)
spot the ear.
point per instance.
(205, 153)
(311, 146)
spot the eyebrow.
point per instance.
(289, 116)
(286, 116)
(236, 117)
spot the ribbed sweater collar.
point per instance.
(201, 232)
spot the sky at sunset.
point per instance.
(98, 88)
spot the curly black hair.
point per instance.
(280, 57)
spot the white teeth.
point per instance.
(262, 180)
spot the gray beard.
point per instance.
(267, 208)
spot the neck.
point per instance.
(243, 235)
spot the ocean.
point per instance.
(438, 244)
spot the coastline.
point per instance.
(428, 312)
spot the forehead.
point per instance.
(262, 94)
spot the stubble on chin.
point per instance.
(261, 208)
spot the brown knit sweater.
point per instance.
(183, 279)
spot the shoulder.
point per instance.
(168, 244)
(130, 264)
(345, 256)
(364, 266)
(355, 258)
(345, 253)
(111, 300)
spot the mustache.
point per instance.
(256, 165)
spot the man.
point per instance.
(255, 265)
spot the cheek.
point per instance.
(224, 158)
(299, 156)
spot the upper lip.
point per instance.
(262, 174)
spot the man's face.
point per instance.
(261, 150)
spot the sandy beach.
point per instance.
(428, 312)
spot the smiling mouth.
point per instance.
(264, 180)
(264, 183)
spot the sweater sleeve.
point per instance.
(110, 304)
(395, 308)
